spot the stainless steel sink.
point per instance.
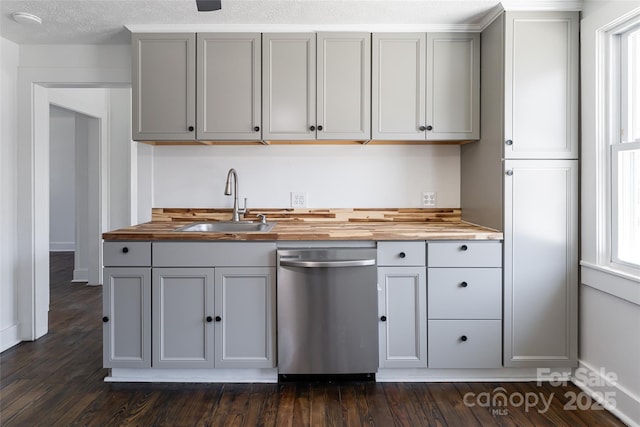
(228, 227)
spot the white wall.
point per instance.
(609, 302)
(62, 187)
(120, 200)
(9, 57)
(370, 176)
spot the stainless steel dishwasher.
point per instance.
(327, 311)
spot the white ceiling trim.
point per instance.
(543, 5)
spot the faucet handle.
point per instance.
(263, 218)
(244, 208)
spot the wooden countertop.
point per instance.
(315, 224)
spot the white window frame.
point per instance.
(617, 109)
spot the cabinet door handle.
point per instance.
(218, 318)
(319, 127)
(464, 284)
(312, 128)
(402, 255)
(508, 142)
(105, 319)
(256, 128)
(463, 248)
(191, 128)
(429, 127)
(125, 250)
(509, 172)
(209, 319)
(383, 318)
(463, 338)
(422, 128)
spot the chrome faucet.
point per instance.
(227, 192)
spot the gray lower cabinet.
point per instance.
(244, 317)
(126, 305)
(402, 305)
(464, 280)
(214, 317)
(183, 315)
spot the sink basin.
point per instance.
(228, 227)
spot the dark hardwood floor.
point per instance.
(57, 381)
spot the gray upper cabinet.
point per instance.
(398, 86)
(344, 86)
(541, 85)
(164, 86)
(425, 86)
(453, 86)
(229, 82)
(289, 86)
(316, 86)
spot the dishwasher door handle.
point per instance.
(331, 264)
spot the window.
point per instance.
(625, 146)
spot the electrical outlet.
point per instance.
(429, 199)
(298, 199)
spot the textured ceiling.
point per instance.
(102, 21)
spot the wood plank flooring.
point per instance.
(57, 381)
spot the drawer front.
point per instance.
(401, 253)
(464, 293)
(126, 254)
(464, 254)
(214, 254)
(465, 343)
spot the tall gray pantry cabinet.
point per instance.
(522, 178)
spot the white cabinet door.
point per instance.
(402, 307)
(541, 85)
(541, 263)
(344, 86)
(229, 86)
(164, 86)
(398, 86)
(126, 304)
(289, 86)
(183, 315)
(245, 317)
(453, 86)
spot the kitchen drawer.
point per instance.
(464, 293)
(401, 253)
(465, 343)
(464, 254)
(214, 254)
(126, 254)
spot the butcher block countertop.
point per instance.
(313, 224)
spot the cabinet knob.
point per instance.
(319, 127)
(209, 319)
(125, 250)
(218, 318)
(464, 284)
(429, 127)
(105, 319)
(463, 338)
(191, 128)
(312, 128)
(422, 128)
(463, 248)
(509, 172)
(383, 318)
(508, 142)
(402, 255)
(256, 128)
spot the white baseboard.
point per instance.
(9, 337)
(463, 375)
(193, 375)
(80, 275)
(627, 405)
(62, 246)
